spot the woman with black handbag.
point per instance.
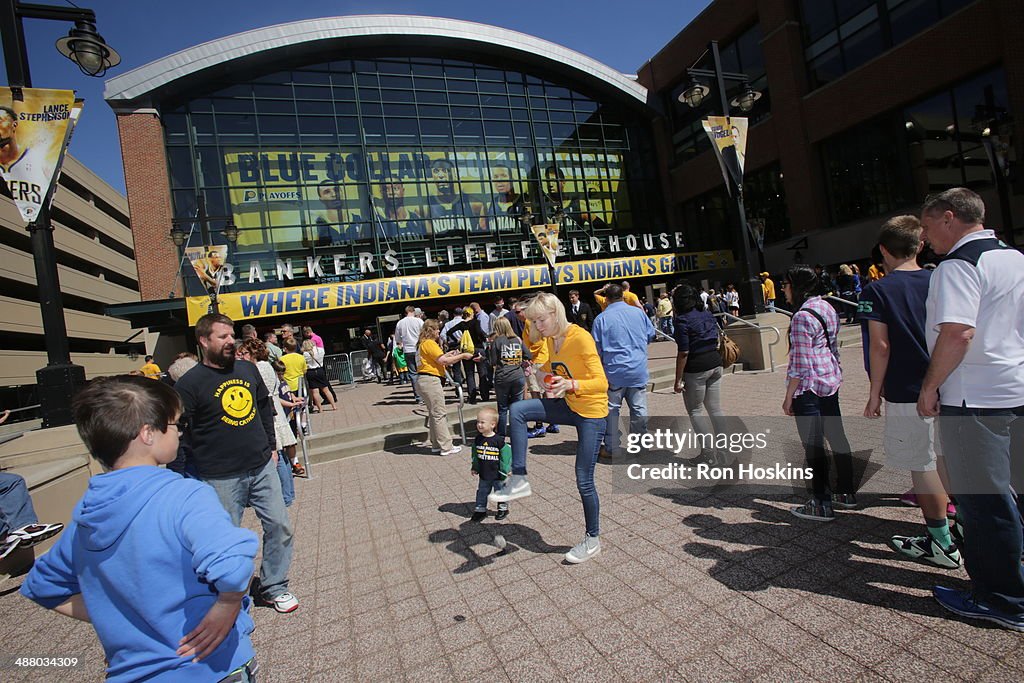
(698, 367)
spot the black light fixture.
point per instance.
(178, 235)
(86, 48)
(694, 94)
(230, 231)
(746, 99)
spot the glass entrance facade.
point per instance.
(366, 168)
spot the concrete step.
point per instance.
(42, 445)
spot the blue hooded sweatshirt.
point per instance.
(149, 551)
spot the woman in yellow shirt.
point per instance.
(576, 393)
(432, 362)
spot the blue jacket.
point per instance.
(622, 333)
(149, 551)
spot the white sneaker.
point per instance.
(454, 450)
(590, 547)
(514, 487)
(285, 603)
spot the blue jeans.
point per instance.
(976, 444)
(15, 504)
(636, 398)
(414, 375)
(485, 487)
(260, 488)
(589, 432)
(818, 418)
(666, 325)
(284, 471)
(507, 393)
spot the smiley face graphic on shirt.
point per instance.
(237, 402)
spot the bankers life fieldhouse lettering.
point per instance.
(311, 298)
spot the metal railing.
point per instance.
(305, 427)
(747, 323)
(460, 395)
(338, 367)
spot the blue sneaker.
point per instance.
(553, 429)
(536, 432)
(967, 605)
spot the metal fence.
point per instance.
(338, 367)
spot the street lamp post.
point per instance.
(60, 379)
(749, 286)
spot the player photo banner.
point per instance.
(210, 263)
(547, 239)
(33, 133)
(729, 140)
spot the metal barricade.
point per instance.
(356, 359)
(338, 367)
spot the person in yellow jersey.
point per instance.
(575, 393)
(627, 296)
(768, 290)
(150, 369)
(294, 363)
(432, 362)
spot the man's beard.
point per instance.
(226, 357)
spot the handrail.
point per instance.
(305, 427)
(840, 300)
(459, 394)
(778, 335)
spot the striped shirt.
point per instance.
(811, 359)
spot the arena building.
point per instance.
(330, 172)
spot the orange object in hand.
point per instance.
(549, 380)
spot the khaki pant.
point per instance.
(433, 398)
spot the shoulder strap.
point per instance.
(824, 326)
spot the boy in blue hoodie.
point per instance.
(150, 558)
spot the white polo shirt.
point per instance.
(407, 333)
(981, 285)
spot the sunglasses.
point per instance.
(181, 424)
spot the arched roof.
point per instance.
(140, 82)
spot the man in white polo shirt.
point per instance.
(975, 383)
(407, 333)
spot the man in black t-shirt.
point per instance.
(232, 442)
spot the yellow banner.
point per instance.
(290, 199)
(314, 298)
(33, 133)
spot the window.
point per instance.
(840, 35)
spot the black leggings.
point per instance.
(818, 419)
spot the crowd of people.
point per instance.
(944, 354)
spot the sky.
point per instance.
(621, 34)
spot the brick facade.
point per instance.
(980, 36)
(149, 202)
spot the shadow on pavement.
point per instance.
(814, 557)
(464, 539)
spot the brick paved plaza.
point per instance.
(395, 582)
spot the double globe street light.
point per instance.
(694, 96)
(60, 379)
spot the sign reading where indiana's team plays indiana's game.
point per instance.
(313, 298)
(35, 127)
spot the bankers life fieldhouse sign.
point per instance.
(326, 297)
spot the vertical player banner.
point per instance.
(547, 239)
(35, 126)
(729, 140)
(211, 266)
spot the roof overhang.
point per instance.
(321, 34)
(158, 316)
